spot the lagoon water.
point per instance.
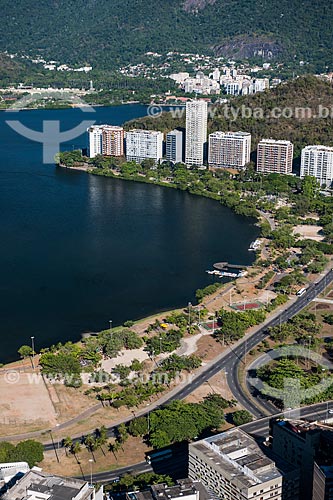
(77, 250)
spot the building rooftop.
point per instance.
(273, 141)
(183, 488)
(318, 148)
(238, 457)
(231, 134)
(144, 132)
(37, 484)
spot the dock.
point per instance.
(225, 265)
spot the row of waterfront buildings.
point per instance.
(223, 150)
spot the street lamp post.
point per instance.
(58, 436)
(189, 314)
(91, 471)
(33, 352)
(110, 322)
(54, 447)
(160, 345)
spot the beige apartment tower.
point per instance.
(113, 140)
(229, 149)
(275, 157)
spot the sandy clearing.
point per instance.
(25, 401)
(308, 232)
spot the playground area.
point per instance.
(247, 306)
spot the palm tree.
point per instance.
(91, 444)
(68, 443)
(75, 450)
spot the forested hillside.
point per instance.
(259, 114)
(108, 33)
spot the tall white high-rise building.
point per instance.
(144, 144)
(317, 161)
(229, 149)
(174, 146)
(275, 156)
(95, 140)
(196, 132)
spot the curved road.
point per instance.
(233, 363)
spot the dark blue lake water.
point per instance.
(77, 250)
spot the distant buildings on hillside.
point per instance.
(229, 80)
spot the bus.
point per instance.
(301, 292)
(157, 456)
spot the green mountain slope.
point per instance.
(112, 32)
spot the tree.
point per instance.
(27, 451)
(25, 351)
(5, 450)
(241, 417)
(68, 443)
(75, 450)
(138, 427)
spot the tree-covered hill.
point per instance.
(259, 114)
(107, 33)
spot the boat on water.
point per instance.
(255, 245)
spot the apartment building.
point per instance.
(113, 140)
(174, 146)
(275, 156)
(106, 140)
(196, 132)
(229, 149)
(317, 161)
(305, 444)
(144, 144)
(95, 133)
(233, 466)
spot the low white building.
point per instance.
(37, 485)
(11, 469)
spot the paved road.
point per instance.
(176, 466)
(234, 362)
